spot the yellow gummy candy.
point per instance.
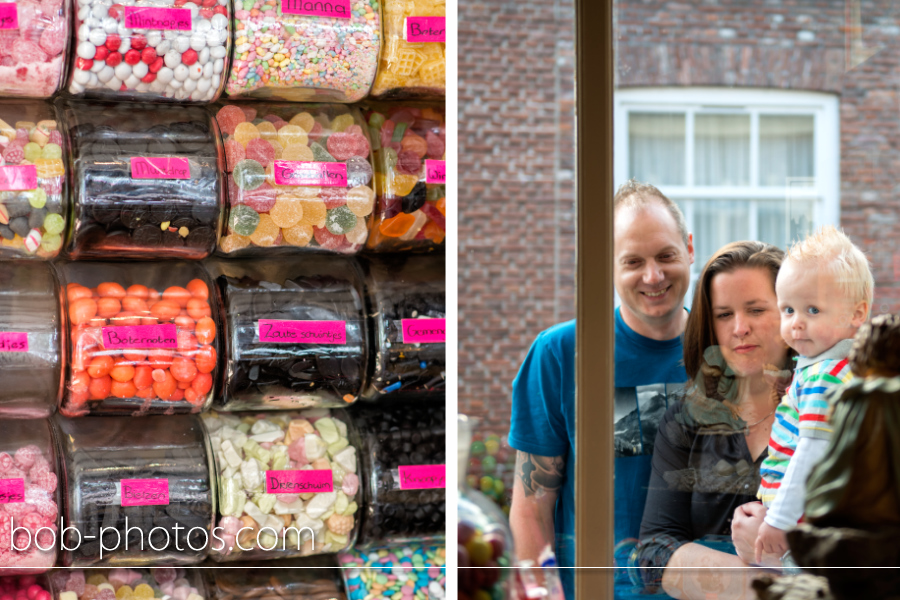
(304, 120)
(361, 201)
(358, 234)
(266, 232)
(279, 149)
(96, 579)
(143, 591)
(288, 211)
(292, 134)
(341, 122)
(245, 132)
(298, 235)
(401, 184)
(297, 152)
(233, 242)
(267, 131)
(124, 592)
(314, 213)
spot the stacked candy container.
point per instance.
(295, 331)
(151, 50)
(312, 578)
(409, 148)
(305, 51)
(30, 340)
(138, 493)
(411, 67)
(405, 296)
(25, 587)
(33, 191)
(298, 177)
(129, 584)
(29, 494)
(288, 483)
(148, 182)
(403, 450)
(406, 573)
(34, 37)
(141, 338)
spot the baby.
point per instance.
(824, 291)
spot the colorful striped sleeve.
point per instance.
(812, 407)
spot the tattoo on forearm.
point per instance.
(539, 473)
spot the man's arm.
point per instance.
(538, 480)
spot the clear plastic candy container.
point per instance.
(305, 51)
(142, 338)
(30, 340)
(390, 572)
(296, 333)
(147, 180)
(406, 301)
(129, 584)
(311, 578)
(34, 201)
(408, 68)
(403, 450)
(150, 50)
(409, 143)
(299, 178)
(29, 493)
(142, 489)
(34, 38)
(35, 587)
(264, 462)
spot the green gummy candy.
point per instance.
(435, 192)
(340, 220)
(37, 198)
(320, 154)
(375, 136)
(249, 175)
(32, 151)
(399, 130)
(51, 242)
(390, 158)
(243, 220)
(376, 120)
(54, 224)
(51, 151)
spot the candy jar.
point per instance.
(34, 37)
(311, 578)
(147, 181)
(129, 584)
(299, 178)
(32, 586)
(287, 481)
(404, 460)
(409, 150)
(30, 340)
(137, 492)
(296, 332)
(141, 338)
(29, 494)
(305, 51)
(33, 191)
(406, 301)
(412, 571)
(150, 51)
(412, 61)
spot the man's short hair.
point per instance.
(634, 194)
(833, 250)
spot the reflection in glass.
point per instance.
(656, 147)
(786, 149)
(722, 150)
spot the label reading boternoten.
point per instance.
(13, 341)
(140, 336)
(145, 492)
(149, 17)
(160, 168)
(424, 331)
(423, 477)
(299, 482)
(302, 332)
(310, 173)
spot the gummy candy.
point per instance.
(234, 153)
(402, 184)
(333, 197)
(415, 199)
(297, 152)
(340, 220)
(245, 132)
(361, 200)
(229, 117)
(292, 134)
(298, 235)
(234, 242)
(261, 151)
(397, 225)
(249, 112)
(328, 240)
(408, 162)
(51, 150)
(359, 171)
(143, 591)
(414, 143)
(303, 120)
(124, 593)
(320, 154)
(266, 232)
(314, 213)
(287, 212)
(243, 220)
(262, 199)
(249, 174)
(358, 234)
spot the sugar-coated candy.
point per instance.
(32, 57)
(340, 220)
(234, 153)
(266, 231)
(249, 174)
(408, 571)
(287, 212)
(243, 220)
(261, 151)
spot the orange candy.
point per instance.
(108, 307)
(184, 323)
(202, 383)
(205, 359)
(176, 294)
(122, 372)
(205, 330)
(143, 377)
(122, 389)
(165, 310)
(109, 289)
(166, 387)
(75, 291)
(198, 309)
(100, 387)
(198, 289)
(81, 381)
(135, 304)
(186, 340)
(125, 318)
(82, 311)
(396, 225)
(100, 366)
(414, 143)
(183, 369)
(138, 291)
(160, 358)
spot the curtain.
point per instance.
(722, 150)
(785, 149)
(656, 147)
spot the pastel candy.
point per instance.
(33, 240)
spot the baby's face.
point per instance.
(815, 312)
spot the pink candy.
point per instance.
(350, 485)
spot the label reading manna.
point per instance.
(299, 482)
(336, 9)
(424, 331)
(140, 17)
(301, 172)
(18, 179)
(145, 492)
(302, 332)
(425, 29)
(160, 168)
(9, 16)
(435, 171)
(13, 341)
(423, 477)
(12, 490)
(140, 336)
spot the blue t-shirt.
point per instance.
(543, 420)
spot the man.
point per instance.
(653, 256)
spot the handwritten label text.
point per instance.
(336, 9)
(424, 331)
(13, 341)
(301, 172)
(302, 332)
(141, 336)
(425, 29)
(9, 16)
(423, 477)
(139, 17)
(18, 178)
(145, 492)
(160, 168)
(299, 482)
(12, 490)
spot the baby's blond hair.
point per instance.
(833, 250)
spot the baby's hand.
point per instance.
(770, 540)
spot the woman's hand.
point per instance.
(770, 540)
(745, 529)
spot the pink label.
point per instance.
(302, 332)
(139, 17)
(17, 179)
(299, 482)
(13, 341)
(145, 492)
(336, 9)
(300, 172)
(425, 29)
(423, 477)
(435, 171)
(140, 336)
(12, 490)
(9, 16)
(160, 168)
(423, 331)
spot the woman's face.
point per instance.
(746, 321)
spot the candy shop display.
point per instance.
(147, 181)
(29, 494)
(406, 573)
(160, 583)
(150, 50)
(25, 587)
(295, 332)
(409, 144)
(138, 492)
(288, 483)
(141, 337)
(33, 191)
(405, 296)
(30, 340)
(410, 69)
(312, 578)
(404, 457)
(305, 51)
(34, 38)
(492, 468)
(299, 178)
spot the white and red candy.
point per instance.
(32, 56)
(38, 511)
(26, 587)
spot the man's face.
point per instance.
(652, 271)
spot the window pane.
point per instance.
(722, 150)
(656, 147)
(782, 222)
(716, 223)
(786, 150)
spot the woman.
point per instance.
(710, 444)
